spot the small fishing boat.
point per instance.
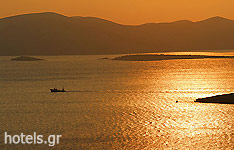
(57, 90)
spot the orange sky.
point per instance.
(125, 11)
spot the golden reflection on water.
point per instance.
(228, 53)
(192, 124)
(119, 105)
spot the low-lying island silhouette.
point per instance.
(222, 99)
(156, 57)
(26, 58)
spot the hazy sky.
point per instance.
(125, 11)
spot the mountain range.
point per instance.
(50, 33)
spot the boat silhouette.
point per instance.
(57, 90)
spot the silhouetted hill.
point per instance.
(94, 20)
(216, 19)
(54, 34)
(182, 21)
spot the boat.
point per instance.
(57, 90)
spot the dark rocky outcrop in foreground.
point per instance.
(222, 99)
(164, 57)
(26, 58)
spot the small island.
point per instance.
(26, 58)
(222, 99)
(157, 57)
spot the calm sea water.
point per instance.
(118, 104)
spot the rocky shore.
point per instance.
(222, 99)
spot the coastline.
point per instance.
(221, 99)
(156, 57)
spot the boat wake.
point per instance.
(81, 91)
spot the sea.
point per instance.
(120, 105)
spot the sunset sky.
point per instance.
(125, 11)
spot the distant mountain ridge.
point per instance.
(54, 34)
